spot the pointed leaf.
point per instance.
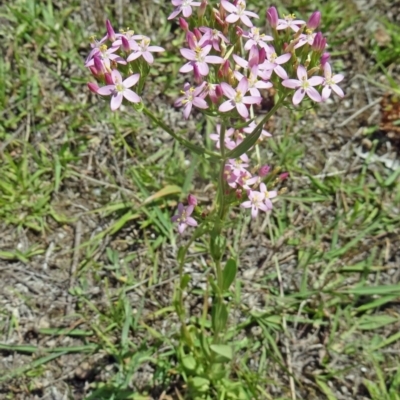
(229, 273)
(223, 350)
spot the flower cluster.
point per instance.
(232, 62)
(120, 60)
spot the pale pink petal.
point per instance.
(228, 90)
(228, 6)
(116, 76)
(301, 72)
(255, 92)
(177, 3)
(116, 101)
(337, 78)
(187, 11)
(246, 20)
(181, 227)
(148, 57)
(240, 61)
(133, 56)
(326, 92)
(189, 209)
(131, 96)
(281, 72)
(213, 59)
(155, 48)
(298, 96)
(327, 70)
(132, 80)
(187, 109)
(188, 54)
(313, 94)
(291, 83)
(226, 106)
(203, 68)
(338, 90)
(263, 206)
(315, 80)
(175, 13)
(272, 194)
(242, 110)
(251, 100)
(263, 85)
(246, 204)
(106, 90)
(251, 14)
(232, 18)
(191, 221)
(243, 85)
(187, 67)
(268, 204)
(283, 58)
(200, 103)
(254, 211)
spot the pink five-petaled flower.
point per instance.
(227, 137)
(237, 98)
(273, 62)
(289, 21)
(120, 89)
(255, 38)
(184, 6)
(238, 11)
(330, 83)
(304, 85)
(199, 57)
(214, 37)
(106, 55)
(191, 97)
(143, 49)
(255, 202)
(183, 217)
(254, 83)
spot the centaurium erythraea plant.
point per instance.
(229, 65)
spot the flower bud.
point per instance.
(197, 75)
(324, 59)
(94, 71)
(108, 79)
(283, 176)
(202, 9)
(319, 42)
(93, 87)
(314, 20)
(218, 91)
(191, 39)
(224, 70)
(197, 33)
(98, 64)
(262, 54)
(125, 44)
(110, 32)
(239, 31)
(272, 17)
(183, 24)
(192, 201)
(253, 56)
(264, 170)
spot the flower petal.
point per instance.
(106, 90)
(301, 72)
(232, 18)
(291, 83)
(188, 54)
(132, 80)
(242, 110)
(226, 106)
(148, 57)
(243, 85)
(133, 56)
(338, 90)
(228, 6)
(313, 94)
(298, 96)
(116, 101)
(200, 103)
(131, 96)
(315, 80)
(228, 90)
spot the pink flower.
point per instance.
(200, 58)
(255, 202)
(191, 97)
(330, 83)
(289, 21)
(184, 6)
(214, 36)
(143, 49)
(307, 38)
(230, 176)
(255, 38)
(304, 85)
(192, 201)
(183, 217)
(254, 83)
(237, 98)
(273, 62)
(238, 11)
(250, 128)
(106, 55)
(120, 89)
(228, 133)
(268, 195)
(314, 20)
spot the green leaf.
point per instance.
(372, 322)
(185, 281)
(223, 350)
(229, 273)
(189, 362)
(200, 384)
(219, 316)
